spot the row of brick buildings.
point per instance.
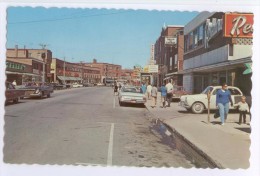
(25, 65)
(211, 49)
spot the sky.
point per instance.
(121, 37)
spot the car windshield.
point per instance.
(130, 89)
(205, 91)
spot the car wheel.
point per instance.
(197, 108)
(42, 95)
(16, 100)
(48, 95)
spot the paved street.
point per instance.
(84, 126)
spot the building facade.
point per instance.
(217, 48)
(109, 72)
(68, 72)
(168, 54)
(24, 65)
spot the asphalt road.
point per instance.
(84, 126)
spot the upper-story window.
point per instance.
(194, 39)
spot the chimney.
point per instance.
(94, 61)
(16, 50)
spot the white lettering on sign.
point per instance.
(240, 22)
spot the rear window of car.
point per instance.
(234, 91)
(130, 89)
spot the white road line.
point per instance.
(110, 146)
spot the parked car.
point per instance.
(178, 91)
(76, 85)
(88, 84)
(57, 86)
(100, 84)
(37, 89)
(131, 94)
(197, 103)
(13, 94)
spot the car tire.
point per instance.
(48, 95)
(197, 108)
(16, 100)
(42, 95)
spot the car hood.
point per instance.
(194, 96)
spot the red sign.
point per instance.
(238, 25)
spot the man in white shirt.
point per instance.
(149, 89)
(169, 88)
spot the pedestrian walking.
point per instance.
(163, 95)
(169, 88)
(143, 87)
(14, 83)
(243, 108)
(223, 98)
(149, 89)
(154, 95)
(115, 90)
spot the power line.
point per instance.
(61, 19)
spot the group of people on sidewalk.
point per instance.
(152, 92)
(223, 98)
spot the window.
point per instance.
(175, 61)
(170, 63)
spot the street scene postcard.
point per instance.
(120, 87)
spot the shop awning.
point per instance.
(18, 73)
(167, 78)
(68, 78)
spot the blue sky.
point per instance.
(115, 36)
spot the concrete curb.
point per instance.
(190, 150)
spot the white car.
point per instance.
(131, 94)
(76, 85)
(197, 103)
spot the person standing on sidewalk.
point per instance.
(243, 109)
(149, 89)
(143, 87)
(169, 88)
(163, 95)
(154, 95)
(223, 99)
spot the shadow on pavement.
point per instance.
(133, 105)
(247, 130)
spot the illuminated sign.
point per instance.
(238, 25)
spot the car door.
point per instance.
(235, 94)
(213, 98)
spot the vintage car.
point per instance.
(197, 103)
(37, 89)
(76, 85)
(13, 94)
(131, 94)
(57, 86)
(178, 91)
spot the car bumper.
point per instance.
(133, 101)
(184, 104)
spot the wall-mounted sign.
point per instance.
(170, 40)
(16, 66)
(238, 25)
(152, 68)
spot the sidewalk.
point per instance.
(227, 146)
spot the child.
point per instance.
(243, 109)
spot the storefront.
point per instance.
(224, 55)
